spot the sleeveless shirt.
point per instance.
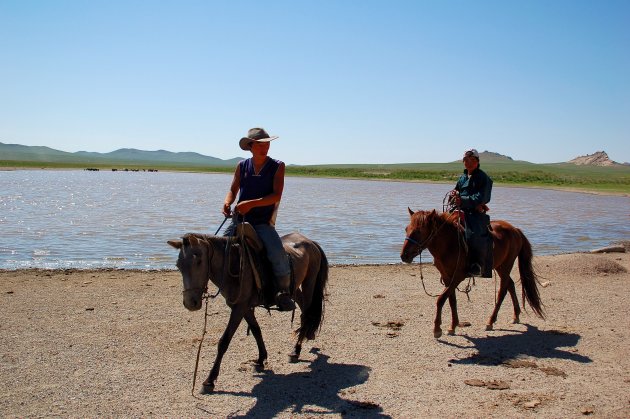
(257, 185)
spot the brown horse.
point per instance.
(443, 236)
(218, 259)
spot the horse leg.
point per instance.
(517, 308)
(503, 288)
(236, 316)
(437, 331)
(250, 318)
(295, 355)
(452, 301)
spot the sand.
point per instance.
(120, 343)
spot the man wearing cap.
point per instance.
(258, 182)
(471, 194)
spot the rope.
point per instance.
(460, 240)
(206, 297)
(203, 334)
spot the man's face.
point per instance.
(260, 148)
(470, 163)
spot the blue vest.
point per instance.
(255, 186)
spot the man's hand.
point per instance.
(243, 207)
(455, 198)
(482, 208)
(227, 211)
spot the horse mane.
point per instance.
(209, 238)
(431, 219)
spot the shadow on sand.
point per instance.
(533, 342)
(311, 392)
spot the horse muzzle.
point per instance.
(407, 258)
(193, 299)
(410, 250)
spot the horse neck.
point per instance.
(445, 235)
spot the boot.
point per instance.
(283, 297)
(488, 260)
(473, 267)
(474, 270)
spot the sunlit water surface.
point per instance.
(81, 219)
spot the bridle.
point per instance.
(425, 243)
(204, 289)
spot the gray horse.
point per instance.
(220, 260)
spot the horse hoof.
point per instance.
(437, 334)
(515, 321)
(260, 366)
(488, 327)
(451, 332)
(293, 358)
(207, 389)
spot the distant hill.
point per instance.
(16, 152)
(492, 157)
(599, 158)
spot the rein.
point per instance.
(206, 296)
(424, 245)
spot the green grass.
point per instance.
(565, 176)
(613, 180)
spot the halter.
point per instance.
(204, 289)
(422, 246)
(425, 243)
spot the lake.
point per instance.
(104, 219)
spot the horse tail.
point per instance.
(313, 315)
(529, 279)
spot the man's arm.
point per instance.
(234, 188)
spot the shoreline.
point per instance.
(622, 243)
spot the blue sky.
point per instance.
(338, 81)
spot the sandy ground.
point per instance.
(120, 343)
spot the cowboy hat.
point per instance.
(255, 134)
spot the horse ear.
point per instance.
(177, 244)
(410, 211)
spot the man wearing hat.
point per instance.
(258, 182)
(471, 194)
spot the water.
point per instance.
(81, 219)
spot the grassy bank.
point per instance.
(612, 180)
(565, 176)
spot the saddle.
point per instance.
(478, 245)
(253, 250)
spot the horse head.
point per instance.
(193, 263)
(418, 233)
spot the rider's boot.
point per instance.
(283, 297)
(474, 268)
(488, 261)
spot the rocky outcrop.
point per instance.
(599, 158)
